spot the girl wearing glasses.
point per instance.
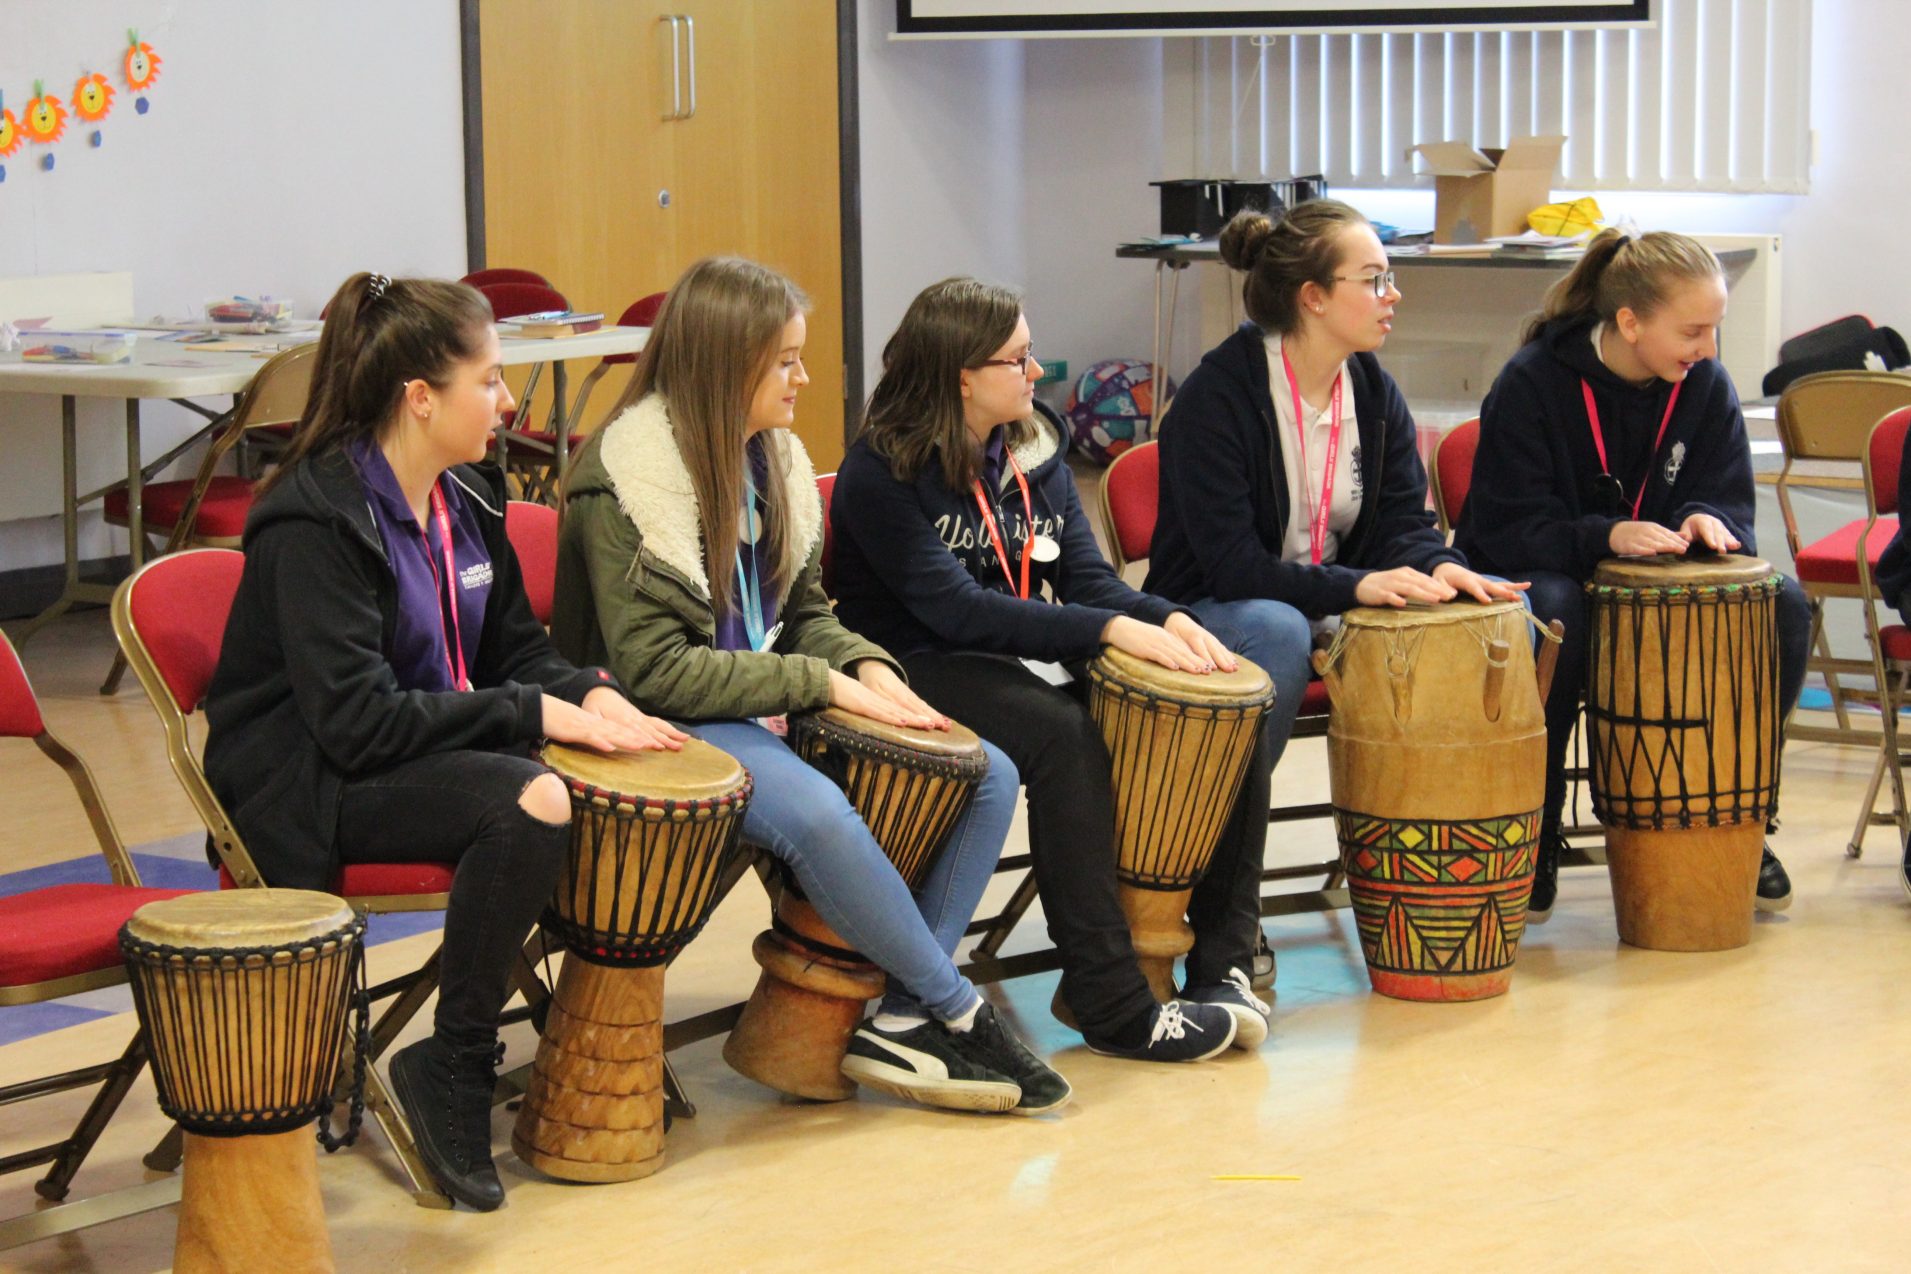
(954, 513)
(1614, 431)
(1291, 482)
(689, 563)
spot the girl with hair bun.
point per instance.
(1614, 431)
(383, 683)
(1291, 482)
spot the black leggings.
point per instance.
(1047, 732)
(462, 807)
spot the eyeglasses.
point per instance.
(1380, 283)
(1019, 364)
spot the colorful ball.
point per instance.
(1110, 406)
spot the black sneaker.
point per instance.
(1904, 870)
(1178, 1031)
(445, 1092)
(1234, 994)
(1260, 973)
(1545, 877)
(927, 1064)
(990, 1044)
(1774, 886)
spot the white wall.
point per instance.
(942, 167)
(286, 146)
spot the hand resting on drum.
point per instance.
(1401, 586)
(1477, 586)
(877, 692)
(1643, 539)
(608, 722)
(1159, 645)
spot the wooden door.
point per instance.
(578, 159)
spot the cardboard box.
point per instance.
(1481, 194)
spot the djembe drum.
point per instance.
(1436, 753)
(1179, 744)
(910, 786)
(1683, 713)
(245, 997)
(651, 834)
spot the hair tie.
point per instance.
(375, 288)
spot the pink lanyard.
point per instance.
(995, 534)
(454, 637)
(1317, 518)
(1599, 439)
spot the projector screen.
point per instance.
(928, 19)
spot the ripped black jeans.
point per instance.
(462, 807)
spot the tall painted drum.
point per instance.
(1436, 753)
(245, 996)
(1179, 744)
(1682, 707)
(651, 834)
(910, 786)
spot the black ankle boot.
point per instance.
(445, 1091)
(1545, 876)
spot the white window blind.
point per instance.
(1715, 97)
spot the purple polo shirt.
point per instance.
(732, 633)
(418, 654)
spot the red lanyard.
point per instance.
(1316, 519)
(1599, 439)
(454, 638)
(995, 534)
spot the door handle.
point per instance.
(690, 41)
(676, 69)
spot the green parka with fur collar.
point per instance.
(633, 589)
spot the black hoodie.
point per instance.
(1224, 507)
(1532, 504)
(304, 696)
(915, 570)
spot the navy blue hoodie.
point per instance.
(1532, 505)
(1224, 511)
(915, 569)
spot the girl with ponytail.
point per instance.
(383, 683)
(1291, 483)
(1614, 431)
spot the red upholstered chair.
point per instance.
(170, 617)
(60, 940)
(1890, 644)
(521, 430)
(638, 314)
(532, 529)
(504, 274)
(1826, 420)
(826, 487)
(211, 509)
(1452, 473)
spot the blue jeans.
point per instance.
(1279, 639)
(802, 818)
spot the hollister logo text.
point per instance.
(475, 576)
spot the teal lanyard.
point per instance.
(748, 595)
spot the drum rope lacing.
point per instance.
(1345, 631)
(253, 990)
(1642, 745)
(1151, 737)
(650, 875)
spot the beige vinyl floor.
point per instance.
(1618, 1110)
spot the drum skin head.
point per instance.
(1437, 613)
(957, 741)
(699, 772)
(1667, 571)
(240, 918)
(1245, 684)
